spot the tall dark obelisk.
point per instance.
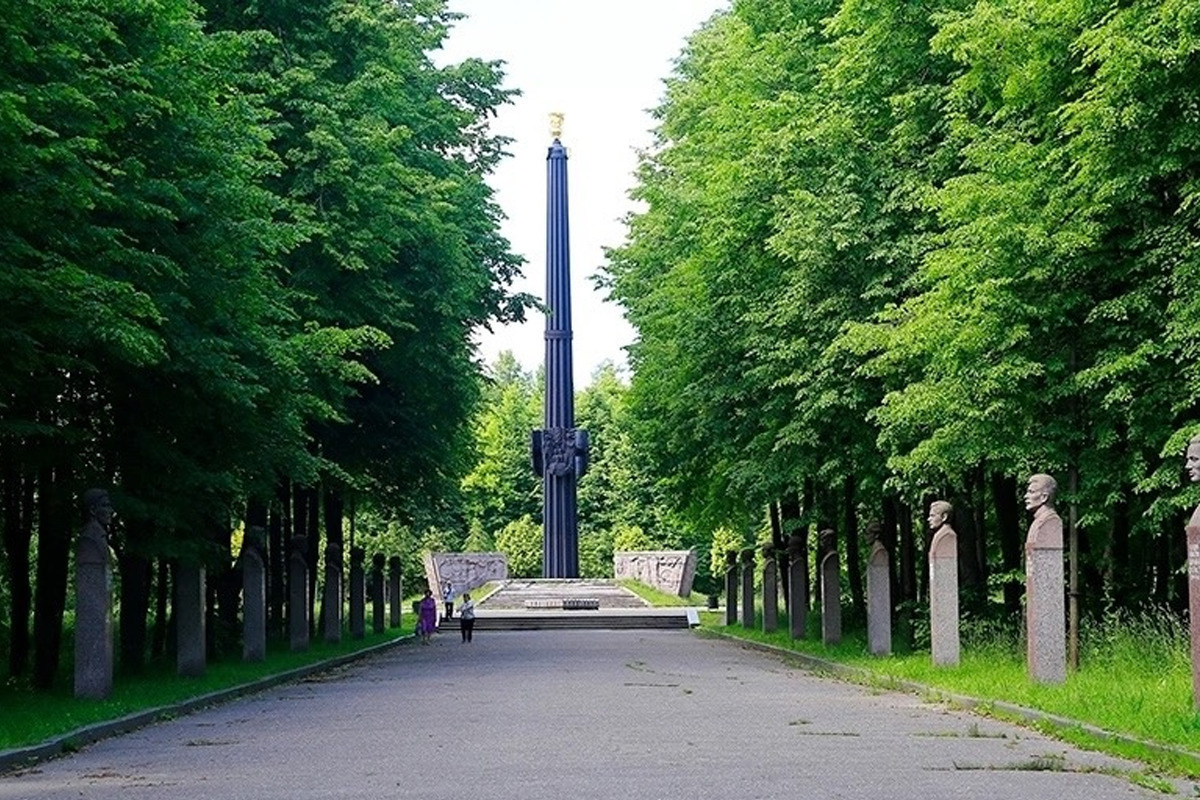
(559, 449)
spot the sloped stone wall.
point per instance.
(466, 571)
(669, 571)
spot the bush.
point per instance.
(723, 540)
(521, 542)
(596, 554)
(630, 538)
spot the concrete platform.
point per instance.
(539, 605)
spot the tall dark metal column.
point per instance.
(559, 449)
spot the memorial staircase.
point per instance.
(523, 605)
(599, 619)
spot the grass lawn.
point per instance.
(1134, 680)
(29, 718)
(657, 598)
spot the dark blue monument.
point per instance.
(559, 449)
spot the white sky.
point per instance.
(602, 64)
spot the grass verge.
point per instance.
(29, 718)
(1131, 696)
(656, 598)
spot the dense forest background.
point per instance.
(243, 249)
(891, 252)
(886, 253)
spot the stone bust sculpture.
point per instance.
(939, 522)
(92, 547)
(99, 513)
(827, 540)
(1045, 532)
(873, 535)
(1192, 462)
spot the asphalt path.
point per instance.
(551, 715)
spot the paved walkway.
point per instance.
(577, 714)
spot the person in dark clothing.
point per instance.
(466, 617)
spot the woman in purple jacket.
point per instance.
(427, 617)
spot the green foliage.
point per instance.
(619, 489)
(596, 554)
(631, 537)
(893, 249)
(242, 246)
(502, 486)
(375, 533)
(521, 542)
(478, 540)
(618, 493)
(723, 540)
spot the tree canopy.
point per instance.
(244, 248)
(894, 251)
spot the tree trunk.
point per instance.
(908, 554)
(334, 509)
(1008, 523)
(776, 527)
(1124, 569)
(1175, 547)
(162, 585)
(853, 557)
(135, 572)
(312, 510)
(812, 578)
(1073, 571)
(790, 523)
(54, 548)
(334, 514)
(18, 533)
(826, 506)
(212, 622)
(889, 536)
(228, 585)
(280, 524)
(974, 553)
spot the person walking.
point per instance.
(466, 617)
(448, 597)
(427, 617)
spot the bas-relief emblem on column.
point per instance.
(558, 451)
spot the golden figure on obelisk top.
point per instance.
(556, 121)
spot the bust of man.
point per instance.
(827, 541)
(1192, 462)
(99, 514)
(873, 536)
(1045, 532)
(939, 523)
(93, 539)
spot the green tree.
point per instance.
(521, 543)
(502, 486)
